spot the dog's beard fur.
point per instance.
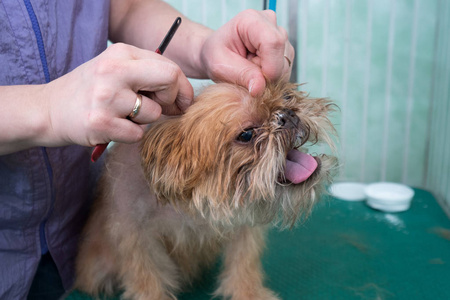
(211, 188)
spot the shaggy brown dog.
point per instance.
(203, 184)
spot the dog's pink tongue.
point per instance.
(299, 166)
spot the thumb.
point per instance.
(244, 72)
(251, 78)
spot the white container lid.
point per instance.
(389, 196)
(348, 191)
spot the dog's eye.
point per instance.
(246, 136)
(287, 96)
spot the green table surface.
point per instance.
(346, 250)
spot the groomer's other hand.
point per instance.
(248, 49)
(90, 105)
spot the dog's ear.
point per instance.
(163, 160)
(173, 164)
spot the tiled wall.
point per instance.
(386, 64)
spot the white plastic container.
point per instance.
(348, 191)
(389, 197)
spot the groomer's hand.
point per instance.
(248, 49)
(90, 105)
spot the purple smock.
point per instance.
(44, 192)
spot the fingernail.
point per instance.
(250, 86)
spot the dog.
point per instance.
(204, 184)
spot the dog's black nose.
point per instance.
(288, 119)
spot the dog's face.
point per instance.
(234, 158)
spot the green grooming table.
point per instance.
(346, 250)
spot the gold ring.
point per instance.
(289, 61)
(137, 106)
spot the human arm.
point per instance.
(89, 105)
(246, 50)
(22, 117)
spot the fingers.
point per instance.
(107, 89)
(274, 54)
(161, 79)
(158, 78)
(249, 50)
(271, 45)
(126, 128)
(149, 111)
(126, 131)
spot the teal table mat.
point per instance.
(346, 250)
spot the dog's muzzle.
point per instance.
(288, 119)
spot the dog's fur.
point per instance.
(195, 188)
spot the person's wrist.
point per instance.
(46, 129)
(34, 116)
(198, 58)
(41, 123)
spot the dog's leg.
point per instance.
(95, 269)
(140, 264)
(95, 266)
(242, 277)
(146, 270)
